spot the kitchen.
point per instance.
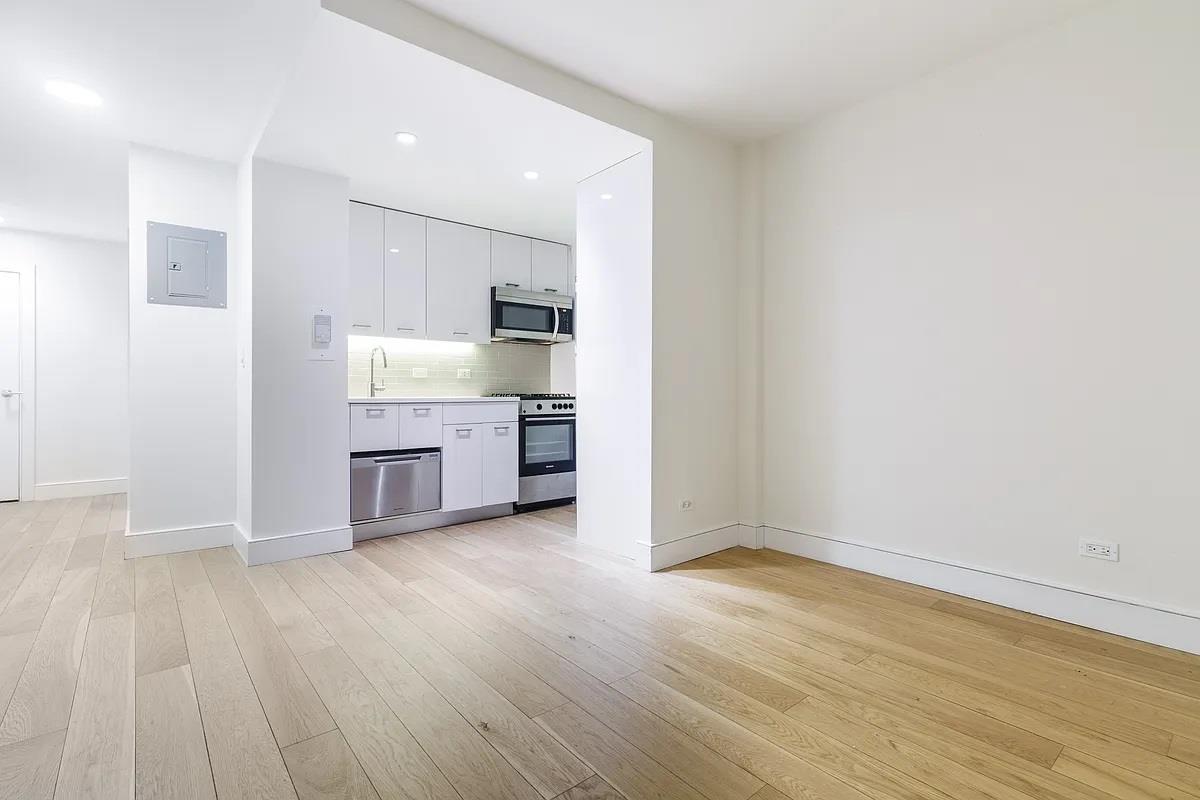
(452, 417)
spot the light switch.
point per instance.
(322, 329)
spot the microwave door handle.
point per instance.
(556, 322)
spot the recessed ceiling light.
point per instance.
(606, 196)
(530, 175)
(406, 138)
(73, 93)
(393, 249)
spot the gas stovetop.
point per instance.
(543, 403)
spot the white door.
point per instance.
(10, 385)
(366, 270)
(404, 275)
(511, 261)
(551, 267)
(458, 263)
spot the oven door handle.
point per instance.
(570, 418)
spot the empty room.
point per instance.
(532, 400)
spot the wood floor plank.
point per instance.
(29, 768)
(71, 520)
(12, 571)
(98, 754)
(172, 757)
(29, 602)
(246, 762)
(324, 768)
(1112, 779)
(619, 763)
(295, 621)
(1187, 750)
(160, 642)
(1083, 661)
(115, 590)
(392, 759)
(594, 788)
(41, 701)
(14, 650)
(86, 552)
(293, 708)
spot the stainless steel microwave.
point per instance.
(519, 315)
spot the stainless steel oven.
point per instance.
(547, 450)
(524, 316)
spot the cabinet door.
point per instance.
(499, 462)
(374, 427)
(462, 467)
(512, 261)
(551, 267)
(458, 277)
(404, 275)
(366, 270)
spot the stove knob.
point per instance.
(539, 406)
(570, 405)
(556, 406)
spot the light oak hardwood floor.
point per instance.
(503, 659)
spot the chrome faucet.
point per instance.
(382, 385)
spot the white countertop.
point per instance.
(397, 399)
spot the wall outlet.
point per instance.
(464, 373)
(685, 505)
(1094, 549)
(420, 372)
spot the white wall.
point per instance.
(980, 329)
(614, 297)
(300, 422)
(81, 360)
(182, 395)
(695, 399)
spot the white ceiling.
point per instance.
(354, 88)
(749, 68)
(197, 77)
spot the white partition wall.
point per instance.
(181, 368)
(614, 239)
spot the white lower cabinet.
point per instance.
(462, 466)
(499, 462)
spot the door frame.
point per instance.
(26, 327)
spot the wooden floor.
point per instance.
(504, 660)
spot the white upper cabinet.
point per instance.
(404, 275)
(512, 261)
(458, 261)
(366, 270)
(551, 267)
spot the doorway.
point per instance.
(10, 386)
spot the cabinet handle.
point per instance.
(374, 413)
(514, 285)
(405, 329)
(420, 412)
(502, 430)
(463, 433)
(462, 333)
(548, 289)
(360, 325)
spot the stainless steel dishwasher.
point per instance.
(395, 483)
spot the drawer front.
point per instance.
(374, 427)
(470, 413)
(420, 425)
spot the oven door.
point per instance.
(547, 445)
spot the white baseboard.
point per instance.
(293, 545)
(751, 536)
(660, 555)
(1174, 628)
(179, 540)
(90, 488)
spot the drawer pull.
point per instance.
(462, 333)
(502, 430)
(463, 433)
(420, 412)
(375, 413)
(360, 325)
(404, 329)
